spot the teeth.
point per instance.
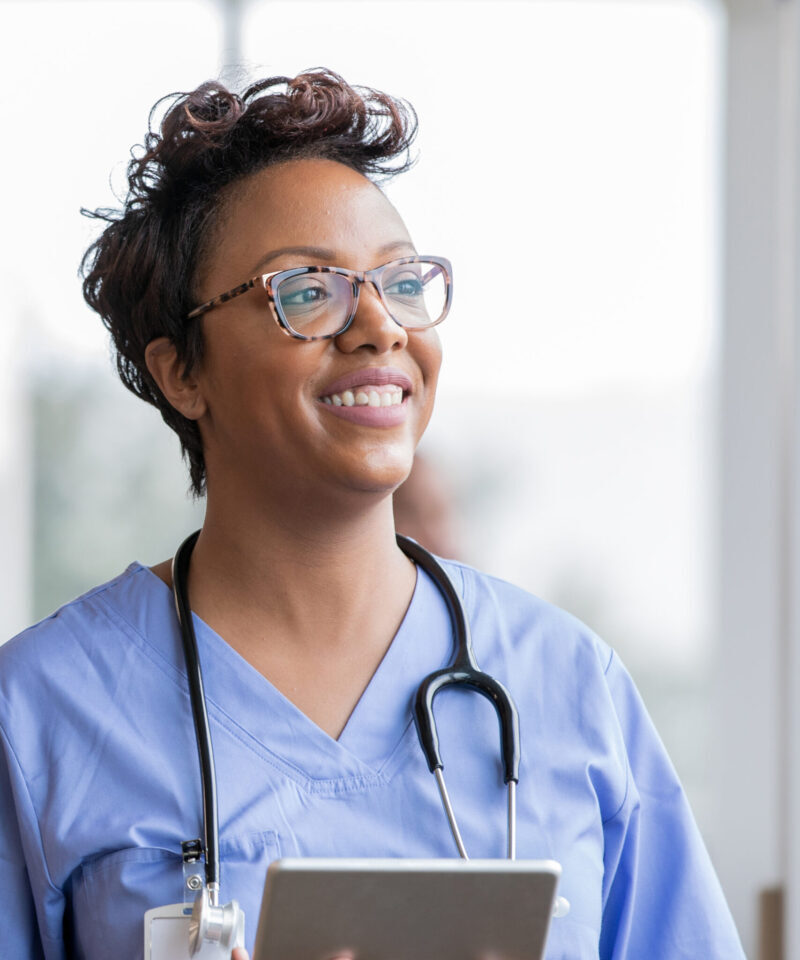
(365, 398)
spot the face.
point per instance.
(268, 404)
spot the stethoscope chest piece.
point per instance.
(222, 925)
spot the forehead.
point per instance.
(310, 202)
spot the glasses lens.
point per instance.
(416, 293)
(314, 304)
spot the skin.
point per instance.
(298, 538)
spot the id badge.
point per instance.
(166, 936)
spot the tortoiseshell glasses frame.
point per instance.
(427, 275)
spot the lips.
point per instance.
(373, 396)
(366, 377)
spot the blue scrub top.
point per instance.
(99, 779)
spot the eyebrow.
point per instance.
(324, 253)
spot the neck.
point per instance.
(307, 576)
(312, 597)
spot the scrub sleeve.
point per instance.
(661, 895)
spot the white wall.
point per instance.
(16, 521)
(759, 587)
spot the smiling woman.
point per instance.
(299, 395)
(290, 440)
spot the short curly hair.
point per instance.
(140, 273)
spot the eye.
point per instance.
(408, 286)
(302, 294)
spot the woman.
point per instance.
(299, 417)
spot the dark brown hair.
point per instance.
(140, 273)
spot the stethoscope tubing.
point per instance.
(205, 748)
(464, 671)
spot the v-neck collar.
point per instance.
(256, 712)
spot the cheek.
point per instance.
(247, 356)
(232, 378)
(426, 348)
(429, 358)
(432, 360)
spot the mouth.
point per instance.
(368, 387)
(367, 395)
(373, 396)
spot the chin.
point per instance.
(382, 474)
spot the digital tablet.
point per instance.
(317, 909)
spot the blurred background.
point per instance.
(617, 186)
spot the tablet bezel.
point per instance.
(406, 909)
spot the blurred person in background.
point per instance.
(264, 295)
(424, 509)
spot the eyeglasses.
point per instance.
(318, 303)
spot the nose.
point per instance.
(372, 327)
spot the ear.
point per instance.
(182, 392)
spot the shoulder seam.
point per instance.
(610, 659)
(460, 568)
(88, 595)
(628, 771)
(13, 755)
(624, 800)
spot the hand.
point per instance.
(241, 954)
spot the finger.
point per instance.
(240, 954)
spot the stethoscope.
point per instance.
(213, 922)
